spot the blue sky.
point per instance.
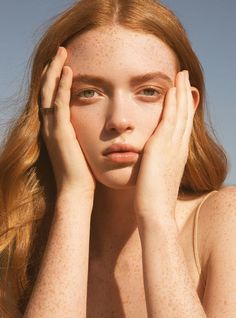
(211, 26)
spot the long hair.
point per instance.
(27, 183)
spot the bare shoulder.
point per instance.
(220, 206)
(218, 232)
(218, 214)
(226, 196)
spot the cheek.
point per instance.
(151, 121)
(86, 126)
(78, 120)
(83, 119)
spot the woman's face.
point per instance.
(119, 108)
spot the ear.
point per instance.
(196, 97)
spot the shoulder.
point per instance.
(218, 227)
(218, 214)
(220, 206)
(217, 222)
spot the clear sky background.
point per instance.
(211, 26)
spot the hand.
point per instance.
(69, 164)
(165, 155)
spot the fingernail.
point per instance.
(59, 50)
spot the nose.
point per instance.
(120, 117)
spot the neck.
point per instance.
(113, 223)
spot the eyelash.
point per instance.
(93, 90)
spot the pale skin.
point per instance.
(136, 205)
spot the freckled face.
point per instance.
(117, 110)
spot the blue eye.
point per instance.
(89, 95)
(151, 90)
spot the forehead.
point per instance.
(119, 49)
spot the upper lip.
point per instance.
(120, 148)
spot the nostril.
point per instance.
(117, 125)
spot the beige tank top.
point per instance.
(195, 243)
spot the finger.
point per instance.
(62, 99)
(168, 120)
(182, 105)
(44, 71)
(54, 120)
(52, 78)
(191, 109)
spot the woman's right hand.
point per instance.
(70, 167)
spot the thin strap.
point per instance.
(195, 244)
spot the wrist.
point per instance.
(74, 202)
(76, 193)
(153, 223)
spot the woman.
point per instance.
(111, 186)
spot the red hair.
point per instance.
(27, 185)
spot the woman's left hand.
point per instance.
(165, 155)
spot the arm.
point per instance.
(162, 253)
(219, 222)
(168, 288)
(61, 286)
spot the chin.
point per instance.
(122, 178)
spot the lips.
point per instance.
(120, 148)
(122, 154)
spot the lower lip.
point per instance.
(123, 157)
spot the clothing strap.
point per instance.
(195, 242)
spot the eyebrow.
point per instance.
(89, 79)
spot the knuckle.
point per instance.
(62, 98)
(63, 84)
(58, 102)
(45, 90)
(52, 80)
